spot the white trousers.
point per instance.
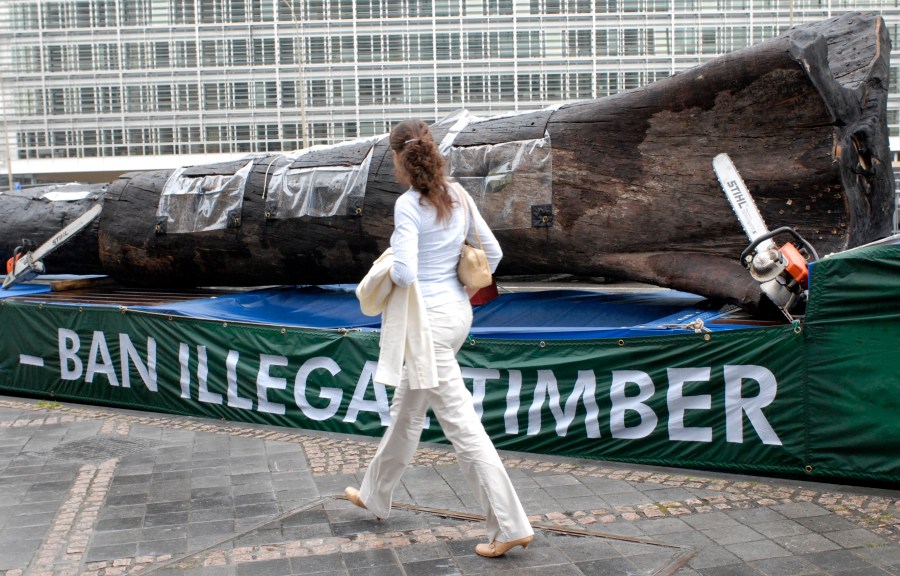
(452, 404)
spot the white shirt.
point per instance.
(428, 250)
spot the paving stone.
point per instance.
(855, 538)
(114, 524)
(214, 473)
(422, 551)
(631, 498)
(662, 526)
(609, 567)
(17, 558)
(603, 486)
(579, 503)
(836, 561)
(277, 567)
(826, 523)
(728, 570)
(733, 535)
(112, 552)
(174, 547)
(370, 558)
(805, 543)
(781, 528)
(787, 566)
(867, 571)
(584, 549)
(753, 516)
(436, 567)
(711, 521)
(886, 555)
(758, 550)
(384, 570)
(800, 510)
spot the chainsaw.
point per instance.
(781, 271)
(23, 266)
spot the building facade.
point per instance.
(116, 85)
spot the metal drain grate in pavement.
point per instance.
(98, 449)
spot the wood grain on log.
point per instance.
(634, 196)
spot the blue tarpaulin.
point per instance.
(24, 290)
(552, 314)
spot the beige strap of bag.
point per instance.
(473, 269)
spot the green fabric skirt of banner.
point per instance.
(814, 399)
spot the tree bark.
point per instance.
(634, 196)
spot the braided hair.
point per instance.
(417, 156)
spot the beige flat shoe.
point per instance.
(497, 548)
(352, 494)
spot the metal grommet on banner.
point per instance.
(707, 337)
(542, 344)
(808, 469)
(224, 324)
(81, 309)
(284, 330)
(620, 342)
(797, 328)
(471, 341)
(123, 309)
(41, 306)
(169, 318)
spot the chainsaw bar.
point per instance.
(740, 199)
(31, 265)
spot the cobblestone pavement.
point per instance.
(105, 492)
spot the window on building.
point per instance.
(497, 7)
(210, 11)
(447, 7)
(208, 51)
(709, 41)
(449, 89)
(241, 96)
(164, 98)
(318, 93)
(579, 43)
(264, 51)
(263, 11)
(85, 57)
(240, 136)
(420, 8)
(315, 9)
(288, 94)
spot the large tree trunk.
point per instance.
(634, 196)
(27, 220)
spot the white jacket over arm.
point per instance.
(405, 330)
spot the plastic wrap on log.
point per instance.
(803, 117)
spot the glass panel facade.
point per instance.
(102, 78)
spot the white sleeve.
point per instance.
(405, 242)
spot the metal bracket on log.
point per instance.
(271, 206)
(354, 206)
(541, 216)
(161, 224)
(234, 219)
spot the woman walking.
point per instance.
(431, 222)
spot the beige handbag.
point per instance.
(473, 269)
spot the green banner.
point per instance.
(853, 337)
(733, 400)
